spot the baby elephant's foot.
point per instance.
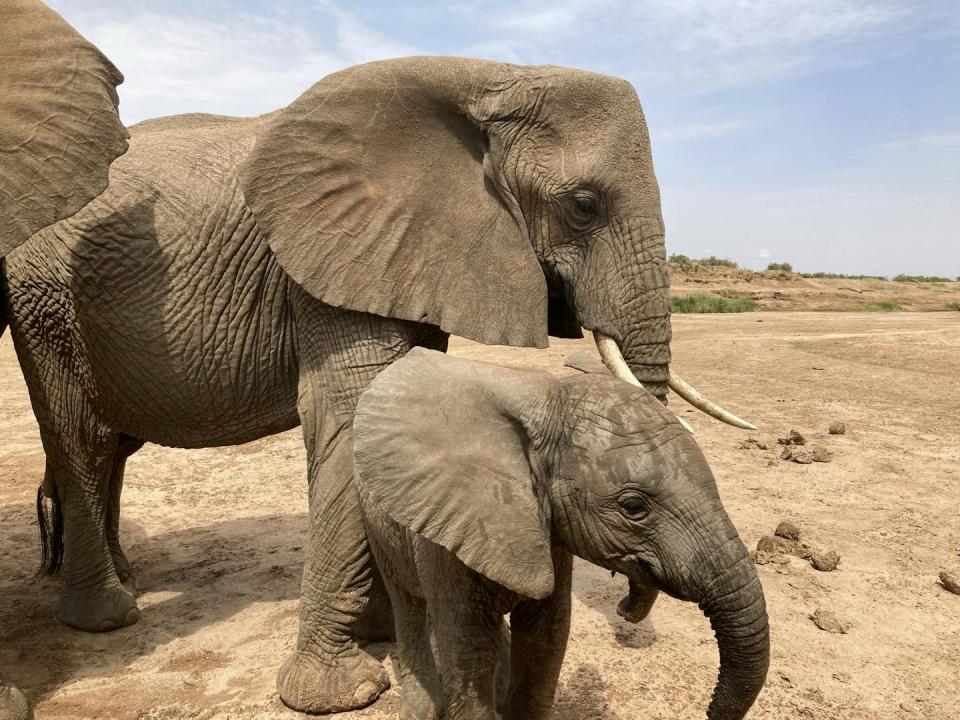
(313, 684)
(98, 610)
(416, 704)
(13, 705)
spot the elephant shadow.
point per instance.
(187, 580)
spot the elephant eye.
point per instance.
(633, 506)
(584, 208)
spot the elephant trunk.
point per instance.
(735, 606)
(638, 602)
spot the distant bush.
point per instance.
(785, 267)
(921, 278)
(953, 306)
(700, 303)
(840, 276)
(717, 261)
(880, 306)
(713, 260)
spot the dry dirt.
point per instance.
(216, 535)
(777, 290)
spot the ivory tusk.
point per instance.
(613, 360)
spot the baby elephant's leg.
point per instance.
(539, 631)
(468, 632)
(420, 697)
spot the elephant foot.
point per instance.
(416, 704)
(318, 685)
(98, 611)
(13, 705)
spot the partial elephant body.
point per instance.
(59, 132)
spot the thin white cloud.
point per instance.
(923, 141)
(231, 63)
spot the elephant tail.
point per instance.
(51, 532)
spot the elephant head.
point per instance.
(495, 201)
(497, 465)
(59, 128)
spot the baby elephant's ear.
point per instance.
(444, 447)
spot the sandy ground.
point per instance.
(789, 291)
(216, 535)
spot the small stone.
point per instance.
(907, 706)
(826, 620)
(842, 677)
(950, 582)
(821, 455)
(788, 530)
(793, 438)
(825, 562)
(838, 428)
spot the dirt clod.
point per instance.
(838, 428)
(829, 622)
(825, 562)
(753, 444)
(950, 582)
(788, 530)
(805, 457)
(793, 438)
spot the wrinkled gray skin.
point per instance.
(59, 131)
(478, 483)
(241, 276)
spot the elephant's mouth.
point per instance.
(614, 361)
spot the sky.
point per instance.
(823, 133)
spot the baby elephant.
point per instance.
(479, 483)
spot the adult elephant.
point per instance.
(241, 276)
(59, 132)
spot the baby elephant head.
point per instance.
(497, 465)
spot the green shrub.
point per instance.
(880, 306)
(920, 278)
(840, 276)
(717, 261)
(953, 306)
(700, 303)
(679, 259)
(785, 267)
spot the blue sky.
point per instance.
(824, 133)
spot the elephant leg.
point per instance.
(340, 353)
(126, 447)
(329, 672)
(420, 696)
(13, 705)
(539, 631)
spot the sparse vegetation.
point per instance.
(701, 303)
(880, 306)
(953, 306)
(785, 267)
(840, 276)
(921, 278)
(712, 261)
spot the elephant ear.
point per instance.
(378, 190)
(59, 128)
(444, 446)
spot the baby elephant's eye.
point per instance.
(633, 506)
